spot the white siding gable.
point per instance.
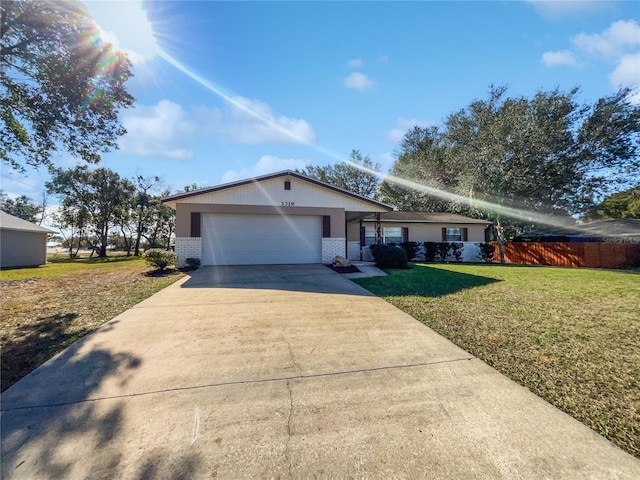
(271, 192)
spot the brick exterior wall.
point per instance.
(332, 247)
(187, 247)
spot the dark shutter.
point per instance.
(444, 234)
(405, 234)
(195, 224)
(326, 226)
(465, 234)
(363, 239)
(287, 185)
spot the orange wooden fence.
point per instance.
(590, 255)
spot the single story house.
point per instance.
(22, 243)
(287, 217)
(398, 227)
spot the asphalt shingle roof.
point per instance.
(428, 217)
(9, 222)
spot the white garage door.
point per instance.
(230, 239)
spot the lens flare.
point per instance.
(483, 205)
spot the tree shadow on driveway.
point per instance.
(54, 426)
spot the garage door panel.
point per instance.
(230, 239)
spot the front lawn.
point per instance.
(572, 336)
(45, 309)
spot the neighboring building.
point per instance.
(287, 217)
(22, 244)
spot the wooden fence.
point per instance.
(589, 255)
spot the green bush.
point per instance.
(442, 250)
(411, 248)
(159, 258)
(487, 251)
(192, 262)
(388, 256)
(430, 251)
(456, 250)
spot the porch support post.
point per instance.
(378, 229)
(361, 239)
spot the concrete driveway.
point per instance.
(284, 372)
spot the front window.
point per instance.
(389, 235)
(453, 235)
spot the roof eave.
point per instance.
(172, 199)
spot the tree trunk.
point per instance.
(499, 229)
(136, 248)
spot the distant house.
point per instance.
(22, 244)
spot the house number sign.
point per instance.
(288, 204)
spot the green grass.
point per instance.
(61, 264)
(45, 309)
(572, 336)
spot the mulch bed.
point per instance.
(351, 269)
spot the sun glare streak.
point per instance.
(232, 99)
(505, 210)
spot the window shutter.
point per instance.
(444, 234)
(326, 226)
(363, 240)
(465, 234)
(287, 185)
(195, 224)
(405, 234)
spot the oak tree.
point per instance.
(61, 86)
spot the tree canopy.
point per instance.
(625, 204)
(348, 175)
(545, 154)
(99, 194)
(61, 87)
(22, 207)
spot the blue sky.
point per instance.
(229, 90)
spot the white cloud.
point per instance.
(619, 44)
(127, 27)
(403, 125)
(355, 63)
(561, 9)
(167, 130)
(266, 164)
(252, 122)
(627, 73)
(561, 57)
(383, 58)
(615, 41)
(359, 81)
(161, 130)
